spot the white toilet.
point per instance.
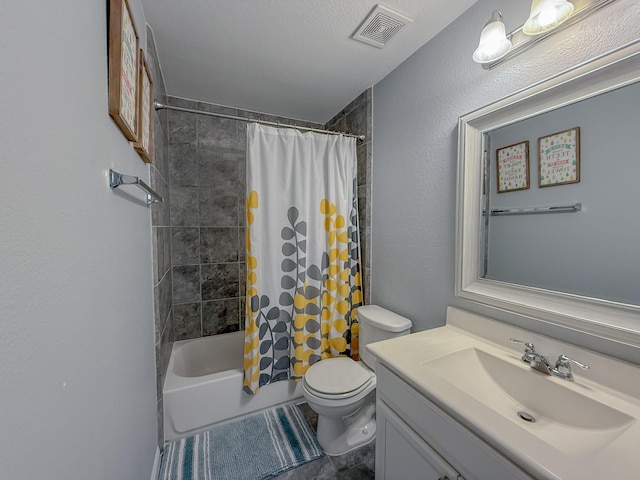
(342, 391)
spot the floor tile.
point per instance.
(358, 472)
(364, 456)
(320, 469)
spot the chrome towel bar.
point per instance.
(116, 179)
(576, 207)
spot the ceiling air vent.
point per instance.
(380, 26)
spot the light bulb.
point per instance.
(546, 17)
(546, 14)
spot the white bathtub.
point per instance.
(203, 386)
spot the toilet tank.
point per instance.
(377, 324)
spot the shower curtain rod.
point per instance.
(159, 106)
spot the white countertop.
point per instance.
(569, 453)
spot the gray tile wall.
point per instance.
(207, 192)
(357, 118)
(161, 233)
(206, 157)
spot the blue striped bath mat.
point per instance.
(253, 448)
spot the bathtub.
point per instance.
(203, 386)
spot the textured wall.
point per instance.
(77, 369)
(415, 147)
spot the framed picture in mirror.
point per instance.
(559, 158)
(513, 167)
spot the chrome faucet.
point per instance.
(561, 369)
(533, 358)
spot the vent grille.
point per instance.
(380, 26)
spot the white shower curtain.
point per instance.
(303, 256)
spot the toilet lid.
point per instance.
(335, 376)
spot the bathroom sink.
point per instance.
(547, 407)
(475, 382)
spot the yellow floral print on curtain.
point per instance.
(304, 287)
(334, 305)
(251, 341)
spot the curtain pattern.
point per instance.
(303, 255)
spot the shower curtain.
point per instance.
(303, 255)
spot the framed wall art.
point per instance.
(559, 158)
(144, 144)
(513, 167)
(123, 68)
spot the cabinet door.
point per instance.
(403, 455)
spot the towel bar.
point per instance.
(116, 179)
(576, 207)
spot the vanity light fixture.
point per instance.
(494, 43)
(546, 18)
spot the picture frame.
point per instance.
(559, 158)
(123, 68)
(144, 143)
(512, 169)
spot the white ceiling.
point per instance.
(292, 58)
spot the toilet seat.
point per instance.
(338, 378)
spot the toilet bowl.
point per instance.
(342, 391)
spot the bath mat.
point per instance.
(253, 448)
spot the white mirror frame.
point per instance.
(615, 321)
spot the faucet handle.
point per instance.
(562, 368)
(527, 345)
(530, 356)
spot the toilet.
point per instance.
(342, 391)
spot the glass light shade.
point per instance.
(493, 41)
(545, 15)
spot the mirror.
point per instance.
(589, 159)
(496, 261)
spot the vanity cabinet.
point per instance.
(418, 440)
(401, 454)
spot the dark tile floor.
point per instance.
(356, 465)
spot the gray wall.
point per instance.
(78, 396)
(416, 109)
(592, 252)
